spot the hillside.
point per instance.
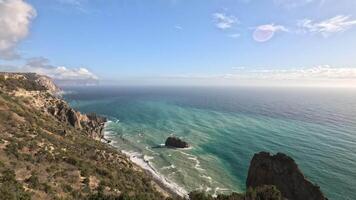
(50, 151)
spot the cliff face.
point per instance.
(282, 171)
(44, 95)
(92, 124)
(50, 151)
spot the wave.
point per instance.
(169, 167)
(217, 189)
(139, 160)
(194, 158)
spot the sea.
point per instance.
(225, 127)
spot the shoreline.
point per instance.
(138, 159)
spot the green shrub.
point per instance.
(66, 188)
(10, 189)
(33, 181)
(12, 149)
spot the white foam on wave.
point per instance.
(143, 162)
(206, 177)
(139, 160)
(219, 189)
(107, 123)
(195, 159)
(169, 167)
(197, 163)
(150, 150)
(147, 158)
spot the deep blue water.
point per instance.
(226, 126)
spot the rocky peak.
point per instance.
(47, 82)
(282, 171)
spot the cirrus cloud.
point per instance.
(339, 23)
(224, 21)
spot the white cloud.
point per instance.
(320, 76)
(326, 73)
(265, 32)
(223, 21)
(327, 27)
(314, 73)
(63, 73)
(41, 65)
(15, 19)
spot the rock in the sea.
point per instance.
(176, 143)
(282, 171)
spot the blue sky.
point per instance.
(185, 39)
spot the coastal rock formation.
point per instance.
(48, 150)
(47, 83)
(176, 143)
(282, 171)
(91, 123)
(42, 93)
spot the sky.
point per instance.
(182, 42)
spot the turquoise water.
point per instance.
(226, 126)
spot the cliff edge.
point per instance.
(282, 171)
(43, 94)
(48, 150)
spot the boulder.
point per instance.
(176, 143)
(282, 171)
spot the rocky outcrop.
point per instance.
(92, 124)
(175, 142)
(42, 93)
(282, 171)
(47, 83)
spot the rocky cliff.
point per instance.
(92, 124)
(282, 171)
(50, 151)
(43, 94)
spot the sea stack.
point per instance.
(282, 171)
(175, 142)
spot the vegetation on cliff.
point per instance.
(43, 157)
